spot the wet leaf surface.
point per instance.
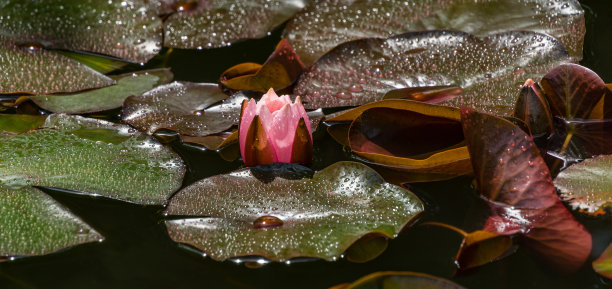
(603, 264)
(184, 107)
(124, 29)
(280, 71)
(93, 157)
(18, 123)
(399, 280)
(324, 24)
(587, 185)
(319, 217)
(487, 69)
(31, 69)
(511, 174)
(209, 24)
(105, 98)
(32, 223)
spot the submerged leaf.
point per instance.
(316, 29)
(603, 264)
(31, 69)
(18, 123)
(587, 185)
(183, 107)
(105, 98)
(124, 29)
(32, 223)
(487, 69)
(94, 157)
(209, 24)
(278, 72)
(399, 280)
(511, 174)
(319, 217)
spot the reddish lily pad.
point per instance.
(308, 217)
(587, 185)
(512, 175)
(124, 29)
(31, 69)
(278, 72)
(209, 24)
(93, 157)
(105, 98)
(363, 71)
(184, 107)
(32, 223)
(399, 280)
(325, 24)
(603, 264)
(532, 108)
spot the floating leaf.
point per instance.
(31, 69)
(124, 29)
(18, 123)
(210, 24)
(399, 280)
(99, 63)
(183, 107)
(32, 223)
(532, 108)
(587, 185)
(246, 213)
(512, 175)
(94, 157)
(316, 29)
(603, 264)
(105, 98)
(408, 136)
(427, 94)
(487, 69)
(367, 248)
(280, 71)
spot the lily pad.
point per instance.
(184, 107)
(325, 24)
(18, 123)
(241, 213)
(94, 157)
(587, 185)
(31, 69)
(105, 98)
(32, 223)
(603, 264)
(124, 29)
(399, 280)
(512, 175)
(487, 69)
(209, 24)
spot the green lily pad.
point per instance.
(184, 107)
(399, 280)
(105, 98)
(18, 123)
(31, 69)
(244, 213)
(489, 70)
(209, 24)
(587, 185)
(603, 264)
(94, 157)
(32, 223)
(124, 29)
(324, 24)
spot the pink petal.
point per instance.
(272, 101)
(267, 119)
(245, 122)
(281, 133)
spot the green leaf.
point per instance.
(587, 185)
(99, 63)
(317, 29)
(124, 29)
(487, 69)
(105, 98)
(309, 217)
(94, 157)
(399, 280)
(32, 223)
(211, 24)
(184, 107)
(18, 123)
(603, 264)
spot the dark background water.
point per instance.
(137, 252)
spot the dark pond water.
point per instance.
(138, 253)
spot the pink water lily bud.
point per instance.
(274, 130)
